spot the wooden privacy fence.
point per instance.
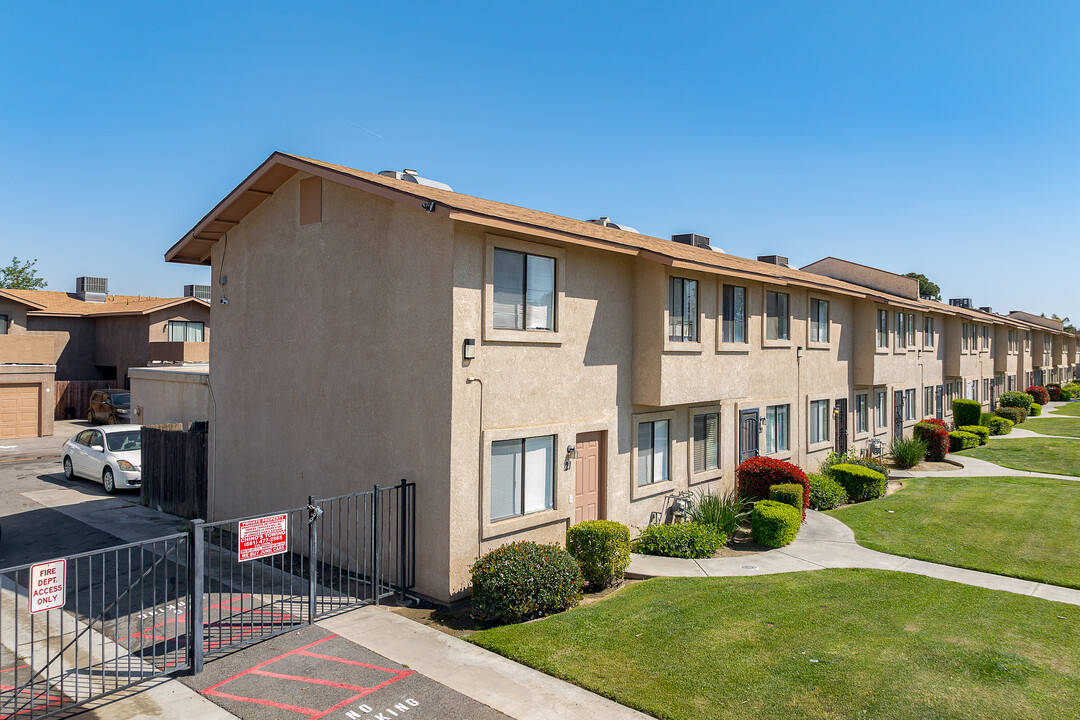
(72, 397)
(174, 468)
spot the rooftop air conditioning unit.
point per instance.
(199, 292)
(92, 289)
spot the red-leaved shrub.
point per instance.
(1039, 393)
(1054, 391)
(754, 477)
(936, 436)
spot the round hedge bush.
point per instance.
(523, 580)
(1014, 398)
(774, 524)
(790, 493)
(602, 549)
(755, 476)
(999, 426)
(1036, 410)
(1038, 394)
(960, 440)
(860, 483)
(966, 412)
(1015, 415)
(825, 492)
(983, 433)
(680, 540)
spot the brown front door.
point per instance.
(588, 487)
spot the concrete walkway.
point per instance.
(825, 542)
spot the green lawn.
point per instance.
(1053, 425)
(886, 645)
(1048, 455)
(1072, 408)
(1022, 527)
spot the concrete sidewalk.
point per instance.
(41, 447)
(825, 542)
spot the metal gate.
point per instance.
(940, 402)
(840, 415)
(126, 611)
(898, 413)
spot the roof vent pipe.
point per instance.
(605, 221)
(414, 177)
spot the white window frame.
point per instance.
(512, 335)
(819, 326)
(785, 319)
(771, 430)
(707, 473)
(882, 329)
(819, 422)
(726, 322)
(862, 415)
(522, 507)
(928, 332)
(186, 326)
(684, 309)
(881, 410)
(910, 409)
(647, 489)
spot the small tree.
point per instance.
(21, 276)
(927, 288)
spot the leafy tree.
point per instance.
(927, 288)
(1068, 326)
(21, 276)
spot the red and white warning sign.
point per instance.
(263, 537)
(47, 585)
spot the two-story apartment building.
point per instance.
(530, 371)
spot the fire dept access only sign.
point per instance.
(263, 537)
(47, 585)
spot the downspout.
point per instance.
(799, 405)
(479, 472)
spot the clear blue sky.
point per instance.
(940, 137)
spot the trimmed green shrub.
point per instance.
(860, 483)
(789, 493)
(523, 580)
(1000, 426)
(1038, 393)
(985, 419)
(979, 431)
(1036, 410)
(774, 524)
(602, 549)
(1014, 398)
(936, 438)
(1015, 415)
(906, 452)
(960, 440)
(680, 540)
(755, 476)
(835, 458)
(724, 512)
(825, 492)
(871, 463)
(1066, 395)
(966, 412)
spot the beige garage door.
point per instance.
(19, 411)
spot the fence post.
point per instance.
(195, 597)
(313, 548)
(403, 523)
(375, 544)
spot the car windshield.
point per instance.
(124, 441)
(121, 399)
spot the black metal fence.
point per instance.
(126, 613)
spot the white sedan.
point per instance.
(112, 455)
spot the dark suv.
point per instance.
(112, 406)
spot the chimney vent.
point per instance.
(605, 221)
(92, 289)
(692, 239)
(987, 309)
(774, 260)
(961, 303)
(199, 292)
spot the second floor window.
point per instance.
(524, 291)
(819, 320)
(683, 310)
(1012, 341)
(184, 331)
(3, 324)
(882, 328)
(734, 323)
(911, 330)
(928, 332)
(777, 321)
(964, 337)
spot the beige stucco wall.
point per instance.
(16, 316)
(331, 362)
(170, 395)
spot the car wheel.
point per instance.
(113, 420)
(90, 416)
(69, 471)
(108, 480)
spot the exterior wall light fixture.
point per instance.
(571, 454)
(468, 349)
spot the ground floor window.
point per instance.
(522, 476)
(706, 448)
(881, 409)
(819, 421)
(777, 428)
(986, 389)
(928, 401)
(653, 452)
(862, 420)
(909, 404)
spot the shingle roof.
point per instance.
(195, 246)
(51, 302)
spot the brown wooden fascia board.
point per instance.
(359, 183)
(488, 221)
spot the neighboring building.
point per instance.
(27, 372)
(531, 371)
(97, 336)
(170, 394)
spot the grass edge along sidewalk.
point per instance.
(829, 643)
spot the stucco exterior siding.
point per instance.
(331, 364)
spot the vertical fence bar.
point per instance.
(313, 564)
(375, 544)
(195, 598)
(402, 537)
